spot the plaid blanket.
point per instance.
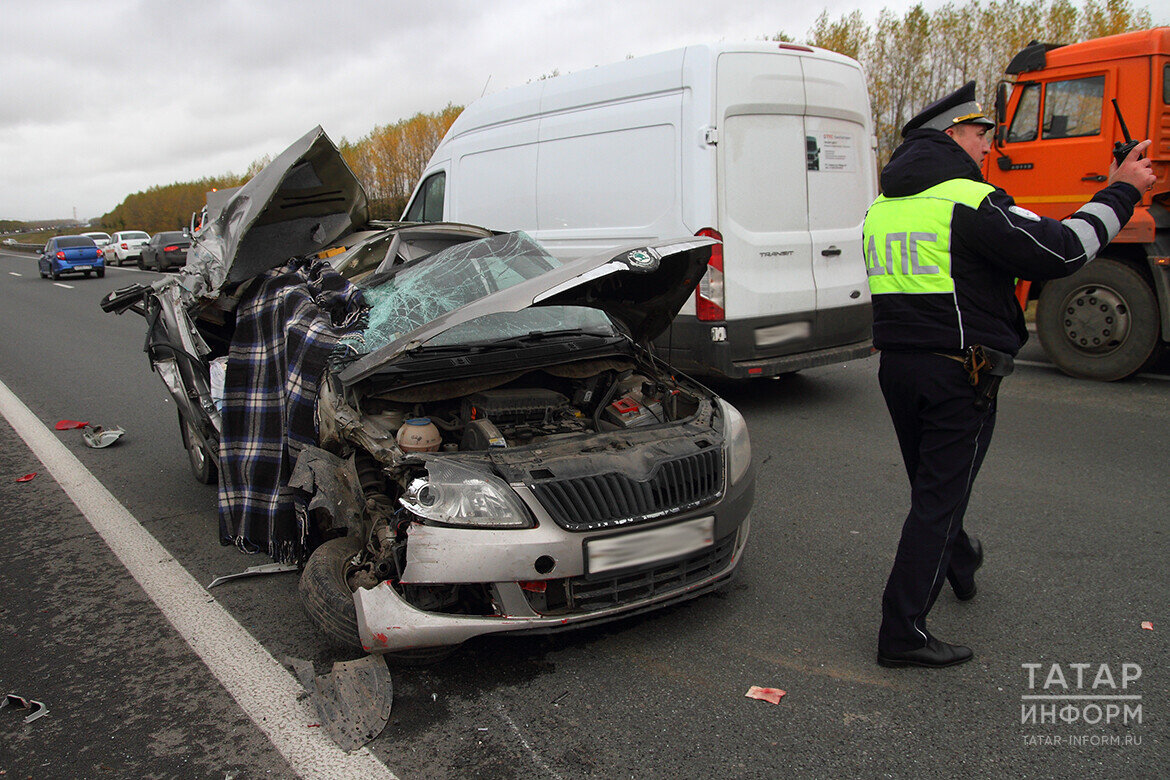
(286, 328)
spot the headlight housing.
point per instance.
(739, 444)
(455, 495)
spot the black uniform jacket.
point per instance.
(991, 247)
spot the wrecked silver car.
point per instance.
(486, 442)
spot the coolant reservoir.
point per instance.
(419, 435)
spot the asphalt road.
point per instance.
(1071, 506)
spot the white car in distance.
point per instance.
(126, 245)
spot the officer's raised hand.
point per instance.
(1134, 171)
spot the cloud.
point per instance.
(101, 101)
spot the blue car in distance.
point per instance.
(71, 254)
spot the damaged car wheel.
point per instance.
(325, 590)
(202, 466)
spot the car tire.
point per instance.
(202, 465)
(55, 274)
(1100, 323)
(101, 273)
(141, 263)
(42, 273)
(325, 592)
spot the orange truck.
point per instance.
(1054, 140)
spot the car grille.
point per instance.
(609, 500)
(589, 594)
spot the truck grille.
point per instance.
(588, 594)
(609, 500)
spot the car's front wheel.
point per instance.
(325, 591)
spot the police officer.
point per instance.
(943, 250)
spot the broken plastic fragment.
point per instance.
(65, 425)
(38, 709)
(252, 571)
(353, 701)
(99, 437)
(773, 695)
(26, 477)
(1148, 625)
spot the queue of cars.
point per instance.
(90, 253)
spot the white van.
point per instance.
(767, 146)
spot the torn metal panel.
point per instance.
(300, 202)
(332, 485)
(353, 701)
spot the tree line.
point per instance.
(387, 161)
(915, 58)
(910, 59)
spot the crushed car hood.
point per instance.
(300, 202)
(642, 287)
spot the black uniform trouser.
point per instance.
(943, 439)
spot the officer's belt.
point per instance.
(986, 368)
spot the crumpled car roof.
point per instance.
(299, 203)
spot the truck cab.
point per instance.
(1055, 134)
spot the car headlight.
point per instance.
(739, 444)
(453, 494)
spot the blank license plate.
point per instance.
(81, 268)
(637, 549)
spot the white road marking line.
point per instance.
(265, 690)
(524, 742)
(13, 273)
(66, 286)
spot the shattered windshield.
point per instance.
(448, 280)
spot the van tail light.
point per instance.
(709, 293)
(60, 255)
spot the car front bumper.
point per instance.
(504, 559)
(387, 623)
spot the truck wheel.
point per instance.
(1100, 323)
(202, 466)
(325, 591)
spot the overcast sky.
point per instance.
(103, 98)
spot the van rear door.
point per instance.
(795, 182)
(842, 182)
(763, 189)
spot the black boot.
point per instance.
(935, 654)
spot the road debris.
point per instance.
(98, 437)
(253, 571)
(67, 425)
(353, 701)
(773, 695)
(26, 477)
(39, 710)
(1148, 625)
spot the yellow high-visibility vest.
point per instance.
(907, 240)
